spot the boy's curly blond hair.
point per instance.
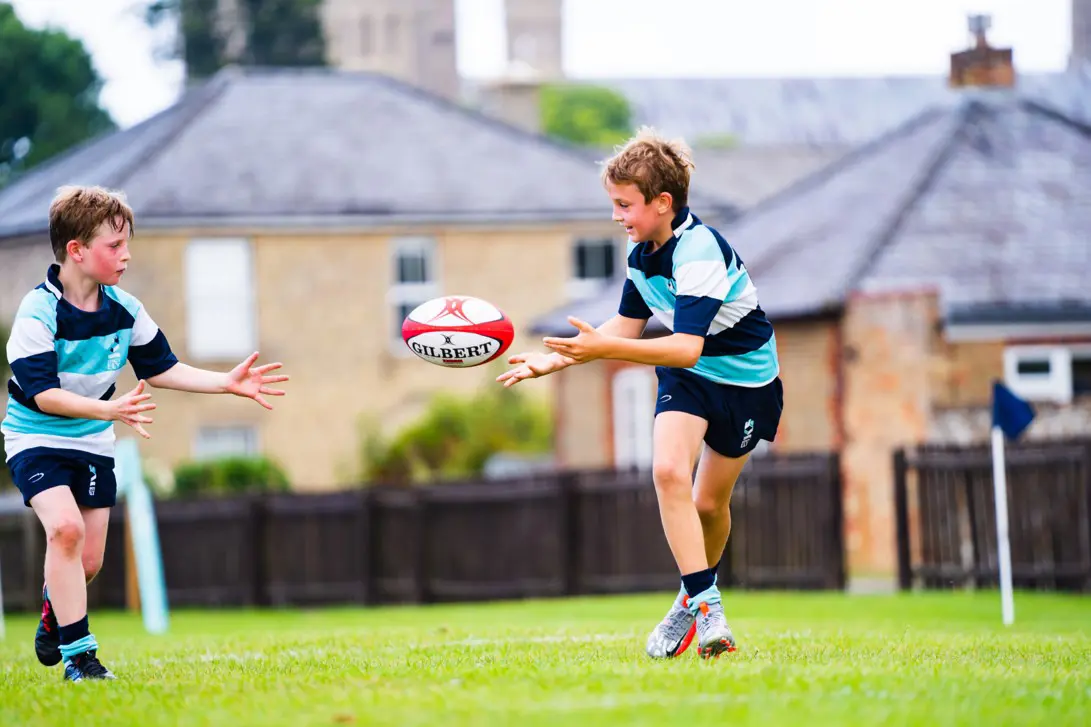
(654, 164)
(76, 213)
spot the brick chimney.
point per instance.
(1081, 34)
(981, 65)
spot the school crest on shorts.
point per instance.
(748, 432)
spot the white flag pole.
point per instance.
(2, 630)
(1003, 544)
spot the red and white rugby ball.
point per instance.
(457, 331)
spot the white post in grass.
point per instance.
(2, 631)
(1003, 544)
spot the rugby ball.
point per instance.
(457, 331)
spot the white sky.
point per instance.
(616, 38)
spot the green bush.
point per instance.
(229, 476)
(456, 436)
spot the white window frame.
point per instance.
(583, 287)
(205, 447)
(410, 294)
(209, 335)
(632, 394)
(1056, 386)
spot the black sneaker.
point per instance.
(47, 640)
(85, 666)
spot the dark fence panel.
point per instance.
(550, 535)
(787, 525)
(945, 509)
(315, 548)
(211, 551)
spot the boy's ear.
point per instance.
(74, 250)
(664, 203)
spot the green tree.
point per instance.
(273, 33)
(49, 93)
(457, 436)
(585, 115)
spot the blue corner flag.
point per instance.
(1011, 413)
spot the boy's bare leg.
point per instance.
(64, 532)
(67, 528)
(716, 478)
(677, 440)
(96, 524)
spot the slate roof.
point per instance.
(318, 147)
(820, 111)
(987, 202)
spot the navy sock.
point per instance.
(76, 639)
(698, 582)
(72, 633)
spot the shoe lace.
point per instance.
(91, 666)
(711, 616)
(677, 621)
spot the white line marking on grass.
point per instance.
(305, 653)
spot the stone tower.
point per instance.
(412, 40)
(535, 37)
(1081, 34)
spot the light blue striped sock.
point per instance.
(87, 643)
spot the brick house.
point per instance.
(302, 213)
(901, 281)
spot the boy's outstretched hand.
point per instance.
(532, 365)
(130, 407)
(252, 382)
(587, 345)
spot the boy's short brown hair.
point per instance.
(654, 164)
(76, 213)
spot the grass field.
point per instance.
(825, 659)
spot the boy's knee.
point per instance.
(66, 535)
(671, 477)
(709, 508)
(92, 564)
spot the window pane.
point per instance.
(1081, 375)
(413, 260)
(220, 315)
(216, 442)
(401, 310)
(595, 259)
(1033, 367)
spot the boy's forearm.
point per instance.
(621, 327)
(676, 351)
(61, 403)
(182, 377)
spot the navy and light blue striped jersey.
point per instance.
(53, 344)
(696, 284)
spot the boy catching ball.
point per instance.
(719, 385)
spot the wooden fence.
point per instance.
(561, 534)
(946, 523)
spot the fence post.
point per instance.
(1087, 494)
(424, 577)
(260, 591)
(837, 492)
(368, 513)
(901, 515)
(572, 547)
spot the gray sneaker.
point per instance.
(673, 634)
(714, 636)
